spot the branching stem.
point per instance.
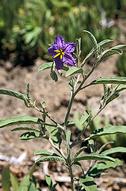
(74, 91)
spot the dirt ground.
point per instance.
(19, 154)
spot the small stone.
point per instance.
(116, 187)
(8, 66)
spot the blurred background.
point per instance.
(27, 27)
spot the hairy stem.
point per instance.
(73, 94)
(83, 81)
(69, 108)
(72, 178)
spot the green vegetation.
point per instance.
(27, 27)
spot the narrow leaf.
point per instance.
(73, 70)
(100, 167)
(45, 66)
(48, 181)
(14, 182)
(30, 135)
(80, 120)
(50, 158)
(92, 38)
(43, 152)
(88, 56)
(119, 47)
(93, 157)
(112, 80)
(104, 43)
(108, 53)
(88, 184)
(68, 136)
(114, 150)
(54, 134)
(101, 44)
(25, 129)
(108, 131)
(13, 94)
(18, 120)
(24, 185)
(6, 179)
(54, 76)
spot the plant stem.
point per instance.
(73, 94)
(83, 81)
(72, 178)
(49, 117)
(69, 107)
(74, 91)
(32, 169)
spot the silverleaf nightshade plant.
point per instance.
(66, 147)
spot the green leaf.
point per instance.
(30, 135)
(73, 70)
(65, 68)
(43, 152)
(50, 158)
(54, 134)
(14, 94)
(18, 120)
(28, 184)
(24, 185)
(88, 56)
(111, 97)
(100, 167)
(50, 184)
(114, 150)
(94, 156)
(6, 179)
(79, 120)
(48, 181)
(68, 137)
(108, 53)
(14, 182)
(88, 184)
(121, 89)
(112, 80)
(108, 131)
(104, 43)
(45, 66)
(54, 76)
(32, 187)
(93, 39)
(25, 129)
(101, 44)
(119, 47)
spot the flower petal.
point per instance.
(70, 47)
(59, 40)
(51, 50)
(61, 52)
(69, 60)
(59, 63)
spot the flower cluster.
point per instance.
(62, 52)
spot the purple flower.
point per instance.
(62, 52)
